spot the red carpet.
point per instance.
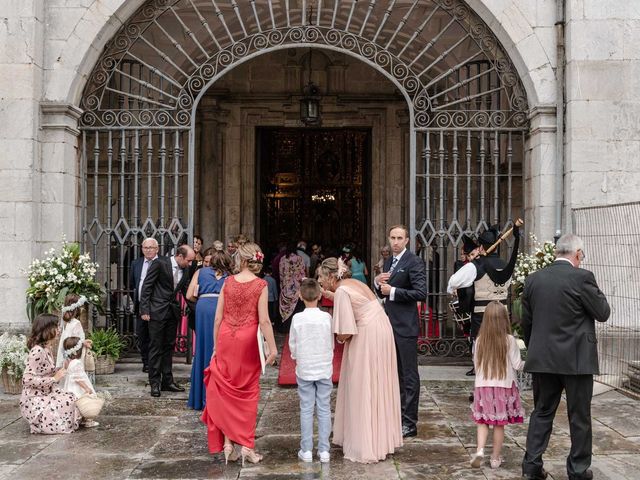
(287, 373)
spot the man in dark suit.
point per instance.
(137, 274)
(560, 306)
(159, 305)
(402, 284)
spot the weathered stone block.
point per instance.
(594, 40)
(17, 154)
(18, 118)
(16, 185)
(62, 21)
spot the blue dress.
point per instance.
(208, 284)
(357, 270)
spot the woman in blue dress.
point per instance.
(205, 287)
(357, 265)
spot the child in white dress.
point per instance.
(71, 326)
(76, 380)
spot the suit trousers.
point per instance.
(162, 334)
(142, 330)
(547, 390)
(407, 355)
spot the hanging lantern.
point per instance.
(310, 105)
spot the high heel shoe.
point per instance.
(230, 453)
(250, 455)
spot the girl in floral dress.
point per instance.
(43, 404)
(496, 397)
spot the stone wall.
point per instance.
(47, 49)
(603, 102)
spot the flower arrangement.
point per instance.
(58, 274)
(543, 255)
(13, 354)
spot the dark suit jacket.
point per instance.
(135, 272)
(560, 305)
(158, 297)
(409, 278)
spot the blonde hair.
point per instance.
(329, 267)
(492, 345)
(247, 254)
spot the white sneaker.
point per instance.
(305, 456)
(324, 457)
(477, 459)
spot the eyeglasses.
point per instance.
(150, 248)
(581, 255)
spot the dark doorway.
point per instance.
(314, 185)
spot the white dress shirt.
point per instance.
(174, 267)
(311, 344)
(143, 273)
(462, 278)
(392, 293)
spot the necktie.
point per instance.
(393, 264)
(176, 277)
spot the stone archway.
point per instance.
(467, 108)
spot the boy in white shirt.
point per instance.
(311, 345)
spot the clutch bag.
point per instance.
(263, 350)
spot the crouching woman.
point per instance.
(43, 404)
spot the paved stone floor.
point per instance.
(140, 438)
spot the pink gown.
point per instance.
(367, 422)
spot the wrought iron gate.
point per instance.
(468, 115)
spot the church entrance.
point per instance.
(314, 185)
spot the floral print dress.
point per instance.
(43, 404)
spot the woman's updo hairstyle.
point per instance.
(331, 267)
(250, 255)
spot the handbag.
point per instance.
(89, 361)
(263, 350)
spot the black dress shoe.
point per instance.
(536, 476)
(587, 475)
(172, 387)
(155, 390)
(409, 431)
(145, 368)
(471, 372)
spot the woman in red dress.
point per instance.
(233, 377)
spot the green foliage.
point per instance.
(107, 342)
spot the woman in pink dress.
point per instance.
(43, 404)
(232, 380)
(368, 415)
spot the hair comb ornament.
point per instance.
(342, 268)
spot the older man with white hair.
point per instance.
(137, 274)
(561, 304)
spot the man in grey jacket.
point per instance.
(561, 304)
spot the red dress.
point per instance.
(233, 377)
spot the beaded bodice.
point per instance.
(241, 302)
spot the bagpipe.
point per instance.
(462, 305)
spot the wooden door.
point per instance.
(314, 186)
